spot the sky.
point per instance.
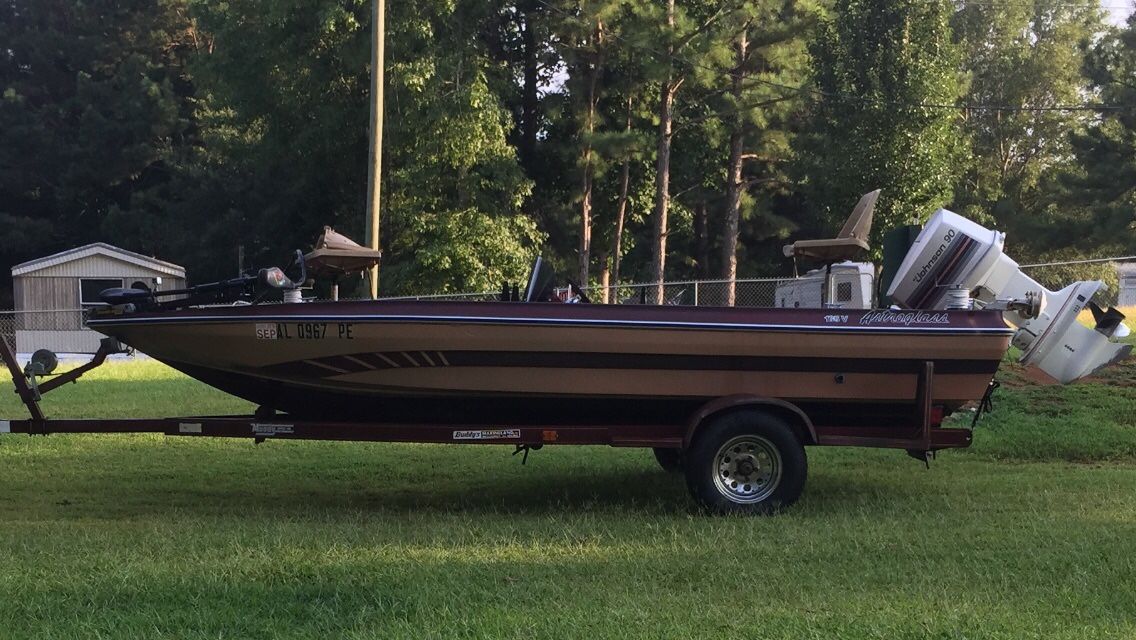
(1118, 10)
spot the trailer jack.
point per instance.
(923, 455)
(526, 448)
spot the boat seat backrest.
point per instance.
(850, 242)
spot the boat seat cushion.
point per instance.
(833, 250)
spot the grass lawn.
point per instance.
(1029, 534)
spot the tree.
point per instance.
(585, 41)
(284, 86)
(687, 34)
(1026, 59)
(668, 87)
(93, 98)
(1098, 202)
(768, 60)
(885, 78)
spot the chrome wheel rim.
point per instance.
(747, 469)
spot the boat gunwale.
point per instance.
(651, 317)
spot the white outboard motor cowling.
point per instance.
(954, 253)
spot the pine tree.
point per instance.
(1099, 202)
(1026, 58)
(768, 60)
(94, 96)
(883, 70)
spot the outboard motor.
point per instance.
(953, 253)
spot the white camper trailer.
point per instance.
(851, 288)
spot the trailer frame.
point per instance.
(691, 445)
(925, 435)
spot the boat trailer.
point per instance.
(675, 445)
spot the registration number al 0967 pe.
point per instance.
(304, 331)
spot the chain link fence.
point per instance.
(457, 297)
(753, 292)
(757, 292)
(707, 293)
(64, 327)
(8, 328)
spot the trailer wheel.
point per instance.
(746, 462)
(669, 459)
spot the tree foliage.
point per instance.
(93, 96)
(197, 131)
(882, 69)
(1026, 56)
(1098, 200)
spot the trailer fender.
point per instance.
(797, 418)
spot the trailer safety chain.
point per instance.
(986, 404)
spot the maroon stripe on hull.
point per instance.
(514, 409)
(623, 361)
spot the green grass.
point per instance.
(1029, 534)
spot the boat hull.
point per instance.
(554, 363)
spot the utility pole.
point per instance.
(374, 168)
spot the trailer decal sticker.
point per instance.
(488, 434)
(272, 429)
(189, 427)
(5, 426)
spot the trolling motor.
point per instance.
(953, 255)
(252, 288)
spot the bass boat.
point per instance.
(539, 362)
(548, 363)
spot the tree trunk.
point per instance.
(702, 239)
(529, 98)
(663, 169)
(620, 215)
(585, 220)
(588, 168)
(605, 280)
(734, 183)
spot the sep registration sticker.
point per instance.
(265, 331)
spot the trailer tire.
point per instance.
(669, 459)
(746, 462)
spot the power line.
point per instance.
(1066, 262)
(1062, 5)
(827, 94)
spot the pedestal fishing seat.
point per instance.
(848, 244)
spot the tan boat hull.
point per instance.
(571, 351)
